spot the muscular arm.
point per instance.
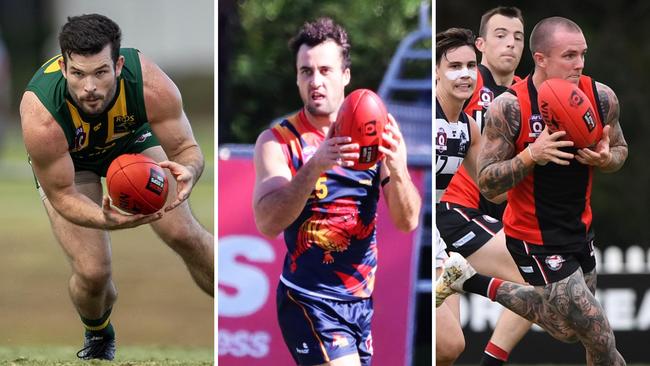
(169, 123)
(499, 169)
(617, 144)
(401, 195)
(279, 198)
(48, 150)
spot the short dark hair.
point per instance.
(88, 34)
(319, 31)
(451, 39)
(506, 11)
(544, 30)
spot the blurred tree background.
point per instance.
(257, 78)
(618, 55)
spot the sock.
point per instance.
(99, 327)
(494, 355)
(482, 285)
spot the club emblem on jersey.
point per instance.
(485, 97)
(441, 140)
(554, 262)
(331, 230)
(339, 340)
(308, 152)
(536, 125)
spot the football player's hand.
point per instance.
(184, 182)
(115, 220)
(335, 150)
(546, 148)
(395, 151)
(600, 156)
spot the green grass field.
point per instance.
(161, 317)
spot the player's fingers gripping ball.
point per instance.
(565, 107)
(137, 184)
(363, 117)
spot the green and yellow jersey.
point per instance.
(94, 141)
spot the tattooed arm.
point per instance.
(499, 168)
(611, 150)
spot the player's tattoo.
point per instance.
(568, 310)
(498, 170)
(610, 107)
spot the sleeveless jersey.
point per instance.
(331, 246)
(462, 189)
(552, 205)
(94, 141)
(452, 142)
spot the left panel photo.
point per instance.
(107, 153)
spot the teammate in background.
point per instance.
(457, 142)
(327, 212)
(81, 110)
(548, 230)
(468, 223)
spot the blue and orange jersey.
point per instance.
(331, 246)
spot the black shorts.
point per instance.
(541, 265)
(464, 229)
(318, 330)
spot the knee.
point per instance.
(93, 278)
(448, 350)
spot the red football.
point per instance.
(137, 184)
(363, 117)
(564, 106)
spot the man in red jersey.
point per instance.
(469, 223)
(548, 218)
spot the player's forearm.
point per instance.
(276, 210)
(619, 155)
(403, 201)
(499, 177)
(192, 158)
(78, 209)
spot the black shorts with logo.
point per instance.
(464, 229)
(541, 265)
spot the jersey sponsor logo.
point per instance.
(304, 350)
(339, 340)
(462, 241)
(526, 269)
(554, 262)
(79, 138)
(589, 120)
(464, 143)
(142, 138)
(368, 343)
(156, 182)
(441, 140)
(485, 97)
(490, 219)
(536, 124)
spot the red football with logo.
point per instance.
(564, 106)
(137, 184)
(363, 117)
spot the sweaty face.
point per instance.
(566, 56)
(92, 79)
(503, 44)
(321, 78)
(456, 74)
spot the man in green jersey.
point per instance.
(81, 110)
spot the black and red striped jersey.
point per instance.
(552, 205)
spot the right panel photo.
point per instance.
(541, 256)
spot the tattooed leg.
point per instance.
(568, 310)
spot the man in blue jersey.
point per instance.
(81, 110)
(327, 212)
